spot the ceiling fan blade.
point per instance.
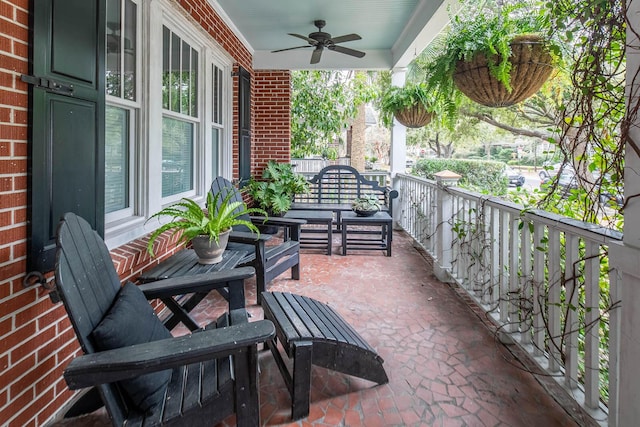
(346, 38)
(290, 48)
(317, 53)
(300, 36)
(352, 52)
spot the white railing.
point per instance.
(311, 166)
(544, 279)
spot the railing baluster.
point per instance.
(571, 327)
(592, 325)
(504, 274)
(538, 289)
(554, 328)
(525, 284)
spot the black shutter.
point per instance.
(244, 119)
(67, 110)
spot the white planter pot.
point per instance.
(208, 251)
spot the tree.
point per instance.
(323, 105)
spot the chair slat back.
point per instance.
(223, 186)
(88, 284)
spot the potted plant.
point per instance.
(410, 104)
(207, 229)
(496, 58)
(366, 205)
(279, 184)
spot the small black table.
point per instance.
(185, 263)
(379, 238)
(321, 217)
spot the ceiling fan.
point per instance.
(320, 40)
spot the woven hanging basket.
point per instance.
(415, 116)
(531, 68)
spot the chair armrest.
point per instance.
(129, 362)
(195, 283)
(246, 237)
(283, 222)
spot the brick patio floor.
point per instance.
(445, 366)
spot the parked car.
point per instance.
(567, 181)
(514, 177)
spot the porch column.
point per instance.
(398, 154)
(626, 257)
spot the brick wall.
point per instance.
(272, 124)
(36, 339)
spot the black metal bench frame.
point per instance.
(311, 332)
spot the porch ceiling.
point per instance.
(392, 31)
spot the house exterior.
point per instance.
(201, 110)
(180, 103)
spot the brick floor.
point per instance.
(444, 364)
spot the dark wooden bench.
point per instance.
(314, 333)
(335, 187)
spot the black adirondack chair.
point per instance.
(269, 261)
(186, 380)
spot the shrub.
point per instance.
(478, 175)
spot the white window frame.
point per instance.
(152, 16)
(133, 108)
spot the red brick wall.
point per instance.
(36, 339)
(272, 123)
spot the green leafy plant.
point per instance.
(367, 202)
(279, 184)
(192, 220)
(397, 98)
(488, 32)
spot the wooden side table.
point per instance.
(366, 232)
(185, 263)
(321, 217)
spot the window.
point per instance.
(122, 108)
(180, 114)
(167, 116)
(217, 124)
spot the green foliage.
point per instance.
(477, 175)
(397, 98)
(323, 103)
(489, 29)
(367, 202)
(279, 184)
(192, 220)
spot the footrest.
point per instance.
(314, 333)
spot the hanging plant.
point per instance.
(495, 58)
(411, 105)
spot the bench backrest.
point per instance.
(340, 184)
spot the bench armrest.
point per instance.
(129, 362)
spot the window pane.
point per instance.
(166, 68)
(114, 38)
(194, 84)
(175, 82)
(177, 156)
(217, 95)
(215, 152)
(116, 159)
(130, 50)
(185, 84)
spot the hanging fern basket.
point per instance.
(532, 66)
(415, 116)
